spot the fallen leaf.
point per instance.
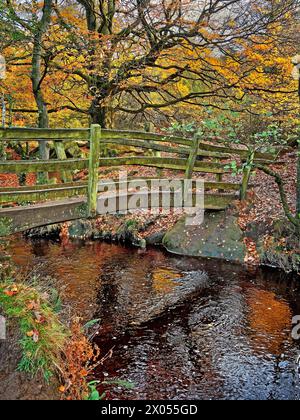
(36, 336)
(32, 305)
(39, 319)
(11, 291)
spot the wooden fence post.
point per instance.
(246, 176)
(95, 140)
(192, 159)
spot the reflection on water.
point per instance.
(269, 317)
(163, 279)
(181, 328)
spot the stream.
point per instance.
(180, 328)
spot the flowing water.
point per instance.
(180, 328)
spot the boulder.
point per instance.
(219, 236)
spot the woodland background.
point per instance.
(126, 63)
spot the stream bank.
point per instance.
(223, 235)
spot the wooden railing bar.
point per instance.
(164, 163)
(34, 166)
(41, 195)
(41, 134)
(151, 145)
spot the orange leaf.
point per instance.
(12, 291)
(34, 335)
(32, 305)
(84, 372)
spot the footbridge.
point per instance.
(26, 207)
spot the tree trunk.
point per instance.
(298, 182)
(43, 121)
(98, 114)
(298, 169)
(37, 76)
(99, 18)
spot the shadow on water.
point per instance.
(181, 328)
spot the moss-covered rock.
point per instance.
(218, 237)
(81, 229)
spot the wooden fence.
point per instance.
(180, 154)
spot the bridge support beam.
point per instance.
(95, 144)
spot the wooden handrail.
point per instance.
(43, 134)
(120, 137)
(34, 166)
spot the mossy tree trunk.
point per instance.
(298, 182)
(38, 76)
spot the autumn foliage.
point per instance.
(148, 60)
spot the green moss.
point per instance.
(5, 226)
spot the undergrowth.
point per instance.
(48, 346)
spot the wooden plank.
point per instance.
(151, 145)
(219, 201)
(226, 186)
(43, 134)
(139, 135)
(238, 152)
(20, 219)
(164, 163)
(230, 186)
(43, 187)
(41, 195)
(34, 166)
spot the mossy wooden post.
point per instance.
(219, 177)
(192, 159)
(246, 176)
(191, 164)
(95, 145)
